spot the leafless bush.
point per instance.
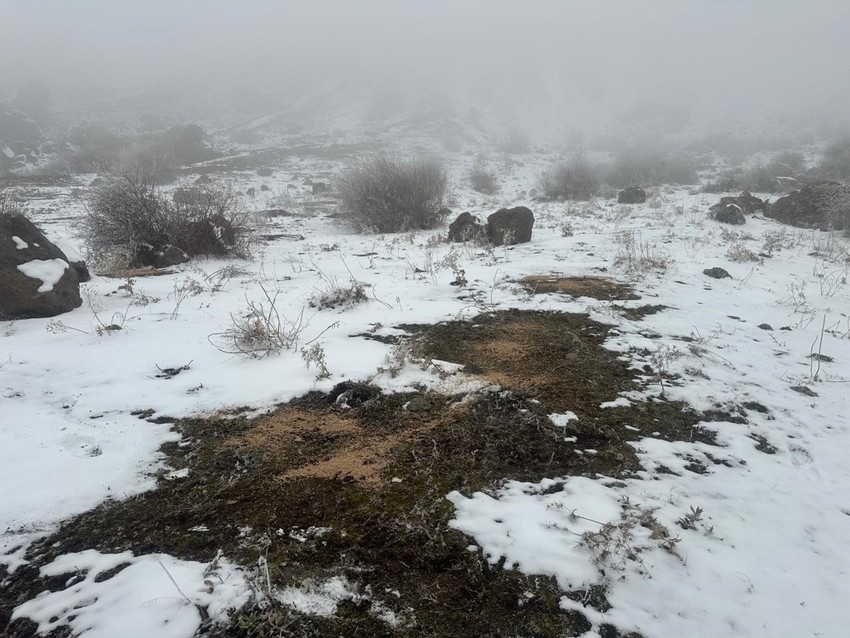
(129, 217)
(482, 180)
(8, 205)
(127, 211)
(619, 543)
(260, 330)
(738, 252)
(381, 194)
(636, 256)
(775, 240)
(315, 355)
(836, 161)
(576, 180)
(333, 295)
(837, 210)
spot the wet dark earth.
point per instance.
(319, 489)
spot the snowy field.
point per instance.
(749, 537)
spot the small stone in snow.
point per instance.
(765, 326)
(804, 390)
(716, 273)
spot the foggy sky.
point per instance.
(748, 58)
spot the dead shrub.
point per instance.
(482, 180)
(129, 215)
(383, 195)
(578, 180)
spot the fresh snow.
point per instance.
(20, 244)
(49, 271)
(153, 595)
(770, 555)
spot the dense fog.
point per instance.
(550, 66)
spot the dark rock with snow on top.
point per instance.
(36, 277)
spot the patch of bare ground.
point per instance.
(595, 287)
(374, 478)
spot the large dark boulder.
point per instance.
(631, 195)
(509, 226)
(465, 228)
(808, 207)
(727, 213)
(36, 277)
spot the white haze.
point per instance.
(539, 61)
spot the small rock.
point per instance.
(804, 390)
(765, 326)
(716, 273)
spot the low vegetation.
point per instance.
(129, 215)
(384, 195)
(576, 180)
(483, 180)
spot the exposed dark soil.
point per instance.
(594, 287)
(374, 477)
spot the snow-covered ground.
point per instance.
(758, 544)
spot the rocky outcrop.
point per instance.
(810, 206)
